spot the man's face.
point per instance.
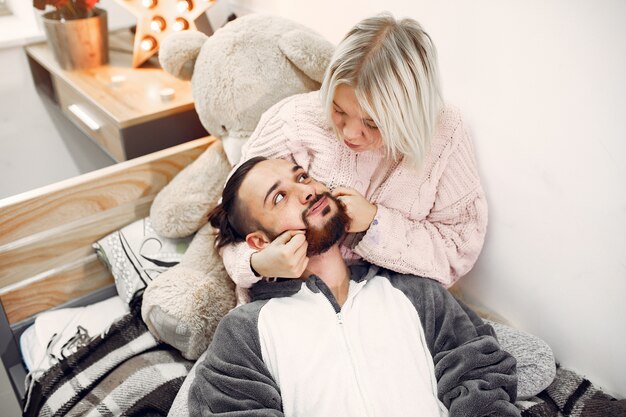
(280, 196)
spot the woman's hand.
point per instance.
(360, 211)
(285, 257)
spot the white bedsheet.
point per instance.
(95, 319)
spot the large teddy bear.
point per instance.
(236, 74)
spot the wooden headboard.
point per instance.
(46, 258)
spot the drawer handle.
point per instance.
(84, 117)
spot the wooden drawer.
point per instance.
(127, 118)
(90, 119)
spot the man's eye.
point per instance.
(278, 198)
(303, 177)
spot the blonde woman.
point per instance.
(380, 136)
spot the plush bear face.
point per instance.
(245, 68)
(241, 72)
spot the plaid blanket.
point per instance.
(124, 372)
(571, 395)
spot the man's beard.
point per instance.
(322, 239)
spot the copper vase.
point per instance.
(78, 43)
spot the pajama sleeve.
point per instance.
(233, 380)
(475, 377)
(444, 243)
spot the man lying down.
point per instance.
(340, 341)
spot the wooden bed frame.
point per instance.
(46, 258)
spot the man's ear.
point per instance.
(257, 240)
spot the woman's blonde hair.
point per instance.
(392, 65)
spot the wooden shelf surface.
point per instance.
(137, 99)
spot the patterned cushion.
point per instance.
(136, 255)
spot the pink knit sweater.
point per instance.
(429, 222)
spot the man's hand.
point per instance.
(360, 211)
(285, 257)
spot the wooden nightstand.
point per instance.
(119, 107)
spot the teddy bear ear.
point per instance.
(179, 51)
(308, 51)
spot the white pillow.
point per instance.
(55, 328)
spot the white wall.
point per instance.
(542, 86)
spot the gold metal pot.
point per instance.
(78, 43)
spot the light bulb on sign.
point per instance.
(148, 14)
(180, 24)
(184, 6)
(157, 24)
(148, 43)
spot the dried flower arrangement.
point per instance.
(68, 9)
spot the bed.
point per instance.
(46, 255)
(47, 262)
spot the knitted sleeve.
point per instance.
(445, 243)
(233, 379)
(236, 259)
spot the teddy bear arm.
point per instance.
(183, 305)
(182, 206)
